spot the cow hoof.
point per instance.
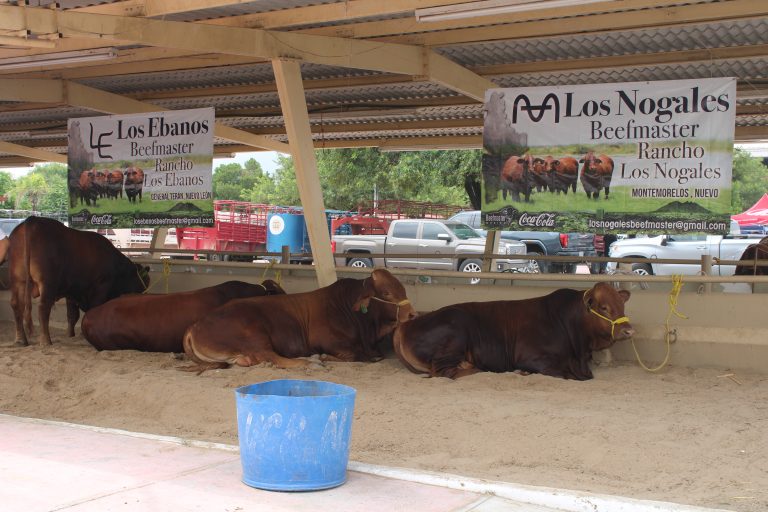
(21, 343)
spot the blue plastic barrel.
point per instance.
(294, 434)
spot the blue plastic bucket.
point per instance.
(294, 434)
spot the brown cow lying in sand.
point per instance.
(156, 323)
(342, 321)
(553, 335)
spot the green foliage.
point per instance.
(233, 181)
(750, 180)
(6, 184)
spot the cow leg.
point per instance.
(277, 360)
(18, 315)
(73, 315)
(44, 316)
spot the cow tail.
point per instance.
(27, 313)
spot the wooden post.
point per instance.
(292, 100)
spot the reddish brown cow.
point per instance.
(564, 173)
(156, 323)
(86, 188)
(343, 321)
(100, 182)
(115, 184)
(51, 261)
(553, 335)
(751, 254)
(596, 174)
(134, 182)
(516, 177)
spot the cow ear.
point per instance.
(589, 297)
(624, 294)
(362, 304)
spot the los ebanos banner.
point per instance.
(642, 157)
(141, 170)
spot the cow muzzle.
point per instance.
(404, 302)
(625, 332)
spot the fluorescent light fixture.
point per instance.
(55, 59)
(363, 113)
(491, 8)
(430, 147)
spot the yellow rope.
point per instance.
(165, 277)
(278, 273)
(677, 285)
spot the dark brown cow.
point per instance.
(554, 334)
(100, 182)
(156, 323)
(134, 182)
(564, 173)
(343, 321)
(596, 174)
(115, 184)
(51, 261)
(751, 254)
(516, 177)
(86, 189)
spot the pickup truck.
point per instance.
(542, 243)
(684, 247)
(462, 246)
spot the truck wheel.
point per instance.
(644, 269)
(538, 267)
(360, 263)
(214, 257)
(471, 266)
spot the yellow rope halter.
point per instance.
(166, 275)
(620, 320)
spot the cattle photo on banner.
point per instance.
(650, 157)
(141, 170)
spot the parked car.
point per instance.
(461, 245)
(542, 243)
(754, 229)
(684, 247)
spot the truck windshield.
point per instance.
(462, 231)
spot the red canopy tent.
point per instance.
(757, 214)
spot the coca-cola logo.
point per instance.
(102, 220)
(546, 220)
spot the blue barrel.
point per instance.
(285, 229)
(294, 434)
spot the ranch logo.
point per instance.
(502, 218)
(630, 102)
(80, 218)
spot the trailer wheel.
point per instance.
(360, 263)
(214, 257)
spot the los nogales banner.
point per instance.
(651, 157)
(141, 170)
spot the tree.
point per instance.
(55, 200)
(750, 180)
(233, 181)
(28, 191)
(6, 185)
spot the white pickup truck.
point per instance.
(683, 247)
(461, 245)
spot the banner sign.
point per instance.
(141, 170)
(642, 157)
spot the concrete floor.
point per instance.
(51, 466)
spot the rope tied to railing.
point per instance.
(677, 286)
(278, 273)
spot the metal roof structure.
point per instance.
(374, 73)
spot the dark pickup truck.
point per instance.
(543, 243)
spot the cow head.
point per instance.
(272, 288)
(605, 321)
(388, 294)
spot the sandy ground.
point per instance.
(688, 436)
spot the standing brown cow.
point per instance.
(553, 335)
(86, 188)
(596, 174)
(134, 182)
(516, 177)
(564, 173)
(156, 323)
(51, 261)
(343, 321)
(115, 183)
